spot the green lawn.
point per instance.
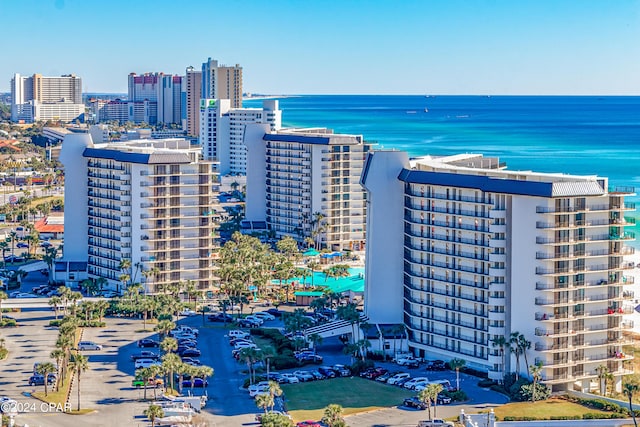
(308, 400)
(543, 410)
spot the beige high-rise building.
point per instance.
(191, 92)
(222, 82)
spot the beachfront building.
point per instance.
(305, 184)
(145, 201)
(222, 82)
(465, 252)
(222, 131)
(159, 94)
(40, 98)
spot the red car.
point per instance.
(309, 423)
(373, 373)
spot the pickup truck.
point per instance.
(436, 422)
(145, 355)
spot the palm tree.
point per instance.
(500, 342)
(536, 373)
(250, 356)
(169, 345)
(333, 416)
(3, 296)
(629, 389)
(602, 372)
(58, 355)
(274, 390)
(428, 395)
(457, 364)
(524, 345)
(45, 369)
(78, 365)
(165, 326)
(170, 363)
(155, 371)
(153, 412)
(515, 349)
(145, 374)
(265, 401)
(315, 340)
(313, 266)
(266, 353)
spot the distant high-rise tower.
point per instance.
(222, 82)
(191, 92)
(46, 98)
(162, 94)
(222, 131)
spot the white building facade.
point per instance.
(477, 252)
(146, 201)
(222, 131)
(305, 183)
(40, 98)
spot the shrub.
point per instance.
(456, 396)
(3, 353)
(93, 324)
(596, 416)
(8, 323)
(55, 323)
(284, 362)
(474, 372)
(376, 355)
(512, 418)
(526, 390)
(276, 420)
(361, 366)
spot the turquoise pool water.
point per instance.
(354, 283)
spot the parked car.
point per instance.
(45, 244)
(436, 365)
(436, 422)
(317, 375)
(397, 378)
(309, 423)
(274, 312)
(145, 355)
(413, 382)
(341, 370)
(409, 362)
(256, 319)
(191, 361)
(38, 379)
(145, 363)
(327, 371)
(260, 388)
(290, 378)
(187, 330)
(151, 382)
(22, 245)
(373, 373)
(264, 315)
(187, 312)
(304, 376)
(309, 357)
(248, 323)
(414, 402)
(147, 342)
(88, 345)
(444, 400)
(190, 352)
(197, 382)
(236, 333)
(220, 317)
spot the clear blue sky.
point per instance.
(333, 47)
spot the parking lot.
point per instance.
(106, 386)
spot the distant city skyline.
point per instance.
(529, 47)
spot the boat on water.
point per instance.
(426, 110)
(411, 112)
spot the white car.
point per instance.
(187, 330)
(290, 378)
(255, 318)
(88, 345)
(259, 391)
(187, 312)
(238, 334)
(25, 295)
(244, 344)
(256, 387)
(398, 377)
(264, 315)
(413, 382)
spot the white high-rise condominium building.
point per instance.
(222, 131)
(305, 184)
(38, 97)
(464, 252)
(146, 201)
(222, 82)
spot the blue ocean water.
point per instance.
(585, 135)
